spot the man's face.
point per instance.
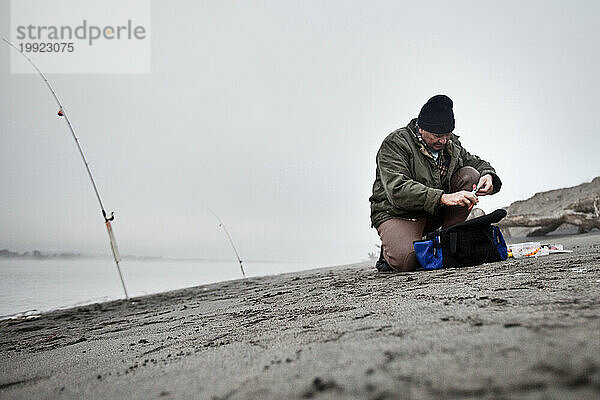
(435, 141)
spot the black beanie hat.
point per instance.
(437, 116)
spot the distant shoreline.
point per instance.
(39, 255)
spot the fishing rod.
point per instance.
(107, 220)
(222, 225)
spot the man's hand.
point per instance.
(462, 199)
(485, 185)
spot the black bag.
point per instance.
(469, 243)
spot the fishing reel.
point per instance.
(112, 216)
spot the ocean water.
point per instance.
(31, 286)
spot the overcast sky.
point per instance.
(271, 113)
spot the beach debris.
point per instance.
(534, 249)
(546, 215)
(63, 113)
(529, 249)
(556, 248)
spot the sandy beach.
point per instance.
(526, 328)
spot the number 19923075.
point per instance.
(46, 47)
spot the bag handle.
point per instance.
(484, 220)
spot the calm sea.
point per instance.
(30, 286)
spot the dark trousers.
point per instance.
(397, 234)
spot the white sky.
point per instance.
(271, 114)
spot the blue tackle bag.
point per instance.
(469, 243)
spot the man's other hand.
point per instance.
(462, 199)
(485, 185)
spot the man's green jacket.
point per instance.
(407, 179)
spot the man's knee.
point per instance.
(403, 260)
(464, 179)
(397, 236)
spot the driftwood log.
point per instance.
(584, 213)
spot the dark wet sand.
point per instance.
(520, 329)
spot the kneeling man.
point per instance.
(424, 179)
